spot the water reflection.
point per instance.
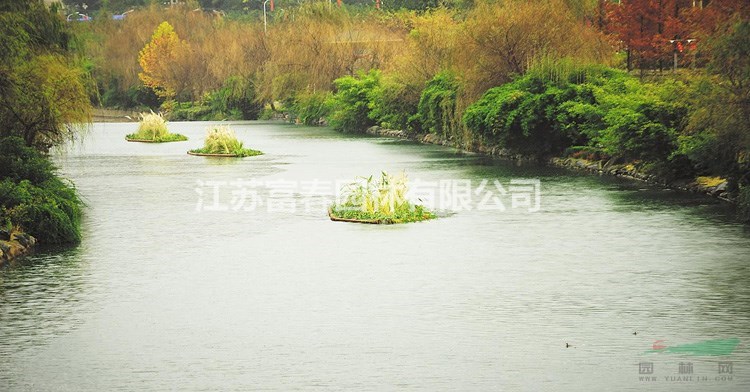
(41, 297)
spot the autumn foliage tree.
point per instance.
(158, 58)
(639, 25)
(502, 40)
(319, 44)
(651, 30)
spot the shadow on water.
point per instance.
(40, 296)
(221, 161)
(634, 196)
(627, 195)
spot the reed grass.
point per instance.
(153, 128)
(221, 139)
(383, 200)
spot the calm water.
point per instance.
(166, 293)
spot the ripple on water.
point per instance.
(161, 296)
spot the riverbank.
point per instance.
(714, 187)
(115, 115)
(14, 245)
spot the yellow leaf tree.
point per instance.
(158, 59)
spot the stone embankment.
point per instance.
(712, 187)
(14, 244)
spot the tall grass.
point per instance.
(384, 200)
(221, 139)
(153, 127)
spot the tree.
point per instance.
(157, 60)
(504, 39)
(44, 97)
(42, 90)
(718, 137)
(41, 93)
(639, 25)
(651, 30)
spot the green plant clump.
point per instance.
(382, 201)
(33, 199)
(350, 104)
(153, 128)
(221, 140)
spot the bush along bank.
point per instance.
(584, 117)
(712, 186)
(35, 204)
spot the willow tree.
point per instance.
(320, 44)
(42, 89)
(42, 93)
(504, 39)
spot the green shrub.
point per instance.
(524, 116)
(633, 135)
(394, 105)
(717, 136)
(310, 107)
(437, 104)
(190, 111)
(113, 96)
(548, 110)
(268, 113)
(18, 162)
(235, 100)
(349, 104)
(33, 198)
(581, 120)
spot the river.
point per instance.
(213, 274)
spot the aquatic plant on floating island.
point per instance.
(153, 129)
(383, 201)
(222, 142)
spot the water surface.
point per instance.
(166, 294)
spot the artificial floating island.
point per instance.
(153, 129)
(222, 142)
(378, 202)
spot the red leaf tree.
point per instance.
(650, 30)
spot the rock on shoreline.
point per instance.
(14, 245)
(718, 190)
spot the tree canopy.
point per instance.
(42, 89)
